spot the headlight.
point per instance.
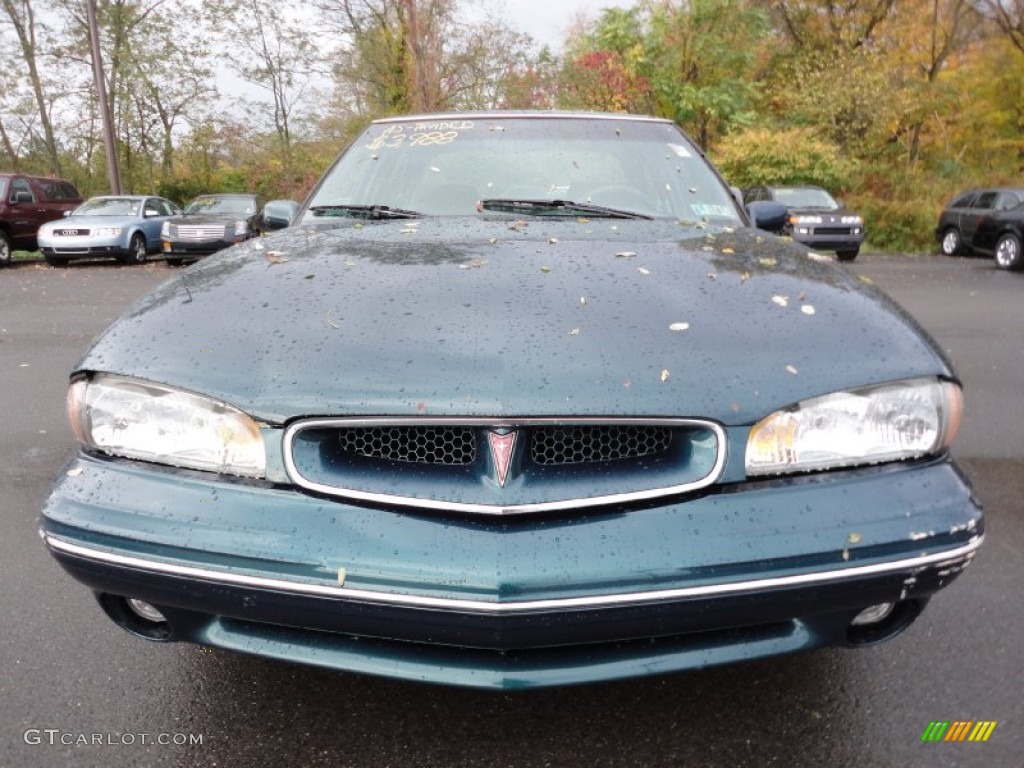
(805, 219)
(166, 230)
(152, 422)
(852, 220)
(891, 422)
(108, 231)
(241, 228)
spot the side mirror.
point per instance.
(767, 215)
(22, 197)
(66, 214)
(278, 214)
(737, 194)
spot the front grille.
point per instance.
(582, 444)
(200, 232)
(832, 231)
(539, 464)
(449, 446)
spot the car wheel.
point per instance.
(55, 261)
(1008, 254)
(847, 255)
(5, 249)
(175, 262)
(136, 250)
(951, 243)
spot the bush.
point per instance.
(897, 225)
(781, 157)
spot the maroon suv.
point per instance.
(26, 203)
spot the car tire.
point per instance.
(847, 255)
(5, 249)
(136, 250)
(1008, 253)
(175, 262)
(56, 261)
(952, 244)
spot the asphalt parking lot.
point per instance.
(77, 691)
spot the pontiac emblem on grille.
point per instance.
(501, 453)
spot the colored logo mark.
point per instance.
(958, 730)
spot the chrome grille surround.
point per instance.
(712, 436)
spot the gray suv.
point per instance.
(815, 218)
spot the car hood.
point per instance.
(510, 319)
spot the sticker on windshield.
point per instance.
(680, 150)
(425, 134)
(712, 210)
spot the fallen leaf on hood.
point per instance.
(744, 276)
(553, 240)
(792, 369)
(854, 538)
(519, 225)
(866, 279)
(583, 301)
(330, 319)
(665, 374)
(574, 332)
(807, 309)
(626, 254)
(258, 245)
(545, 269)
(728, 250)
(679, 327)
(643, 270)
(768, 261)
(474, 264)
(276, 257)
(782, 301)
(75, 472)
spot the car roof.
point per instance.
(522, 114)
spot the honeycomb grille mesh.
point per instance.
(422, 445)
(582, 444)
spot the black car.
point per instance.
(210, 223)
(816, 219)
(987, 221)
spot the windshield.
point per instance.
(805, 197)
(109, 206)
(230, 205)
(464, 167)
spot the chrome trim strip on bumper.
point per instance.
(496, 509)
(939, 559)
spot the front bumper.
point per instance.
(93, 249)
(192, 249)
(752, 570)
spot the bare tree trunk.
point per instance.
(24, 24)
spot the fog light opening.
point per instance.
(137, 616)
(872, 615)
(149, 612)
(882, 621)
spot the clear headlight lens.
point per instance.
(891, 422)
(805, 219)
(241, 228)
(152, 422)
(166, 229)
(852, 220)
(108, 231)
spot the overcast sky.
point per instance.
(547, 21)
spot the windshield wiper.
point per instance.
(558, 207)
(364, 211)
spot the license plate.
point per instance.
(70, 232)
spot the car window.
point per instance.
(986, 200)
(964, 201)
(21, 185)
(1008, 200)
(109, 206)
(446, 167)
(805, 197)
(229, 205)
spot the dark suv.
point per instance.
(986, 221)
(815, 218)
(210, 223)
(28, 202)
